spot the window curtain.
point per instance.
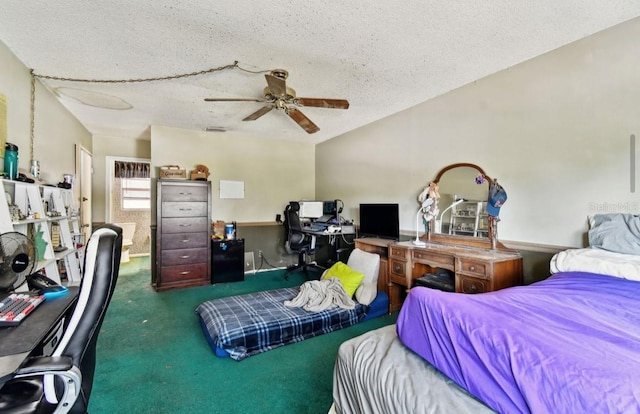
(126, 169)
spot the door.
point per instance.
(128, 198)
(85, 175)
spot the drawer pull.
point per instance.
(181, 193)
(473, 288)
(472, 268)
(185, 225)
(185, 240)
(186, 272)
(185, 257)
(185, 209)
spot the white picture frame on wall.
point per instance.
(231, 189)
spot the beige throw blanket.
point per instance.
(319, 295)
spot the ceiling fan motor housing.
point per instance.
(280, 73)
(290, 95)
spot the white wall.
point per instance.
(274, 172)
(555, 131)
(56, 131)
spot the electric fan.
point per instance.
(17, 260)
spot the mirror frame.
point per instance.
(486, 243)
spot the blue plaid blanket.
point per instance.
(249, 324)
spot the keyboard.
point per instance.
(17, 306)
(325, 219)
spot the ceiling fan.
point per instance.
(279, 96)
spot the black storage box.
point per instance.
(442, 280)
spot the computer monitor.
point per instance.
(329, 207)
(310, 209)
(380, 220)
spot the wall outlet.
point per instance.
(260, 254)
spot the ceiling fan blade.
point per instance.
(235, 100)
(302, 120)
(323, 103)
(257, 114)
(277, 86)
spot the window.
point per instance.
(136, 193)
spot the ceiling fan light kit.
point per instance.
(279, 96)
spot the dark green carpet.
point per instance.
(153, 357)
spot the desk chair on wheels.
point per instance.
(62, 382)
(297, 241)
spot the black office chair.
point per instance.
(298, 241)
(62, 382)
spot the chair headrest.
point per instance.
(294, 206)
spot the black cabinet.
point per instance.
(227, 261)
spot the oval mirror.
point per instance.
(462, 205)
(461, 191)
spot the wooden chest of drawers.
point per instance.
(183, 234)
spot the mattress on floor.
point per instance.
(246, 325)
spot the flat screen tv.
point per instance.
(380, 220)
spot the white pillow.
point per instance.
(369, 265)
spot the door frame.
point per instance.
(84, 177)
(110, 164)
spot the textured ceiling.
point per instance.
(382, 56)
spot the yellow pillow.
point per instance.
(349, 278)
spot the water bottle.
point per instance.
(11, 160)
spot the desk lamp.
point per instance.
(417, 241)
(439, 222)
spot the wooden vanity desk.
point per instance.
(479, 262)
(477, 269)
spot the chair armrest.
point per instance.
(38, 365)
(60, 366)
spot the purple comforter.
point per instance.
(568, 344)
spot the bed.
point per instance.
(569, 343)
(242, 326)
(374, 373)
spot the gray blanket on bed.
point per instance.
(376, 374)
(618, 233)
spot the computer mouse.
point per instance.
(53, 292)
